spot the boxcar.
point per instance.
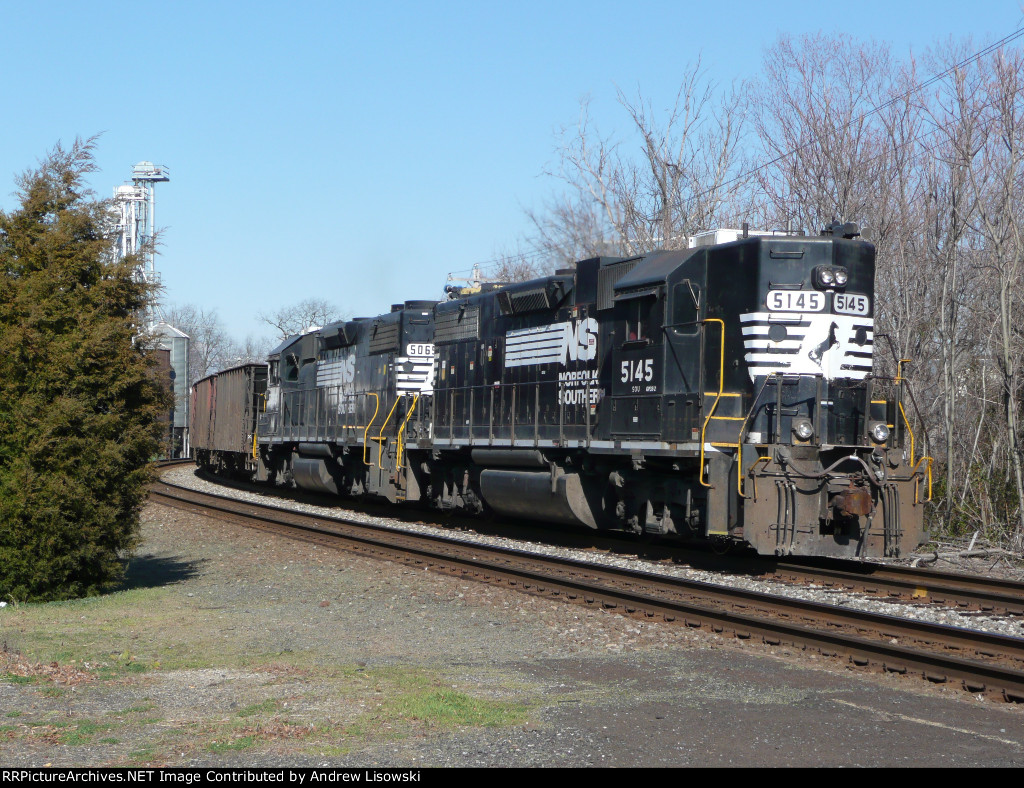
(224, 411)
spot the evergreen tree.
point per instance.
(78, 403)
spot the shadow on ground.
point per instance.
(147, 571)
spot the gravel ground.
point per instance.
(231, 648)
(1004, 625)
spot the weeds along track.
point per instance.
(981, 663)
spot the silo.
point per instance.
(170, 338)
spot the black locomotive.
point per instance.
(723, 392)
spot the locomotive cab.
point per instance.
(656, 361)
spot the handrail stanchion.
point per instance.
(561, 414)
(718, 397)
(401, 430)
(366, 441)
(778, 407)
(380, 437)
(536, 414)
(586, 410)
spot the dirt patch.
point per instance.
(228, 647)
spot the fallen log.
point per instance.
(931, 558)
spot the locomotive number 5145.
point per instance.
(643, 369)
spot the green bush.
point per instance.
(78, 404)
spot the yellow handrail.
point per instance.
(903, 413)
(367, 430)
(907, 423)
(401, 429)
(753, 476)
(711, 411)
(917, 481)
(380, 437)
(256, 429)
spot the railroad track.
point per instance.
(992, 665)
(990, 595)
(918, 586)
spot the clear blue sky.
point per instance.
(358, 152)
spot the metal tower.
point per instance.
(137, 227)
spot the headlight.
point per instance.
(841, 277)
(880, 433)
(826, 277)
(803, 429)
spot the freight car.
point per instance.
(721, 392)
(222, 418)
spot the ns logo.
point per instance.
(580, 341)
(555, 343)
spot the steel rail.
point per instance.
(987, 594)
(916, 585)
(864, 639)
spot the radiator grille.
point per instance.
(606, 279)
(384, 338)
(524, 301)
(457, 325)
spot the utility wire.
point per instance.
(1011, 37)
(1016, 34)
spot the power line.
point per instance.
(989, 49)
(896, 99)
(519, 256)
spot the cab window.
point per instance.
(685, 308)
(643, 319)
(291, 367)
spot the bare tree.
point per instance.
(682, 178)
(997, 184)
(691, 163)
(210, 347)
(301, 317)
(251, 350)
(822, 145)
(583, 221)
(949, 209)
(569, 228)
(515, 267)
